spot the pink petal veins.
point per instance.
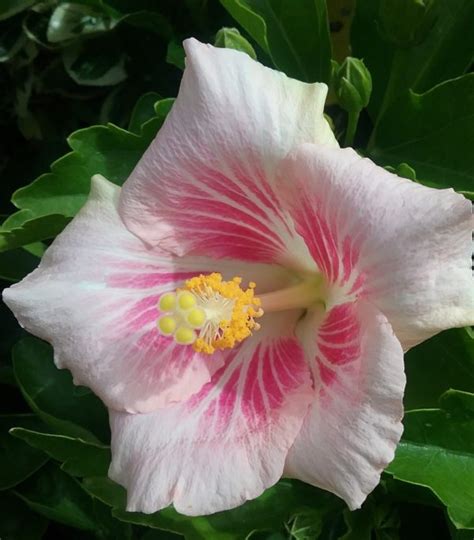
(205, 185)
(226, 444)
(354, 424)
(94, 299)
(380, 237)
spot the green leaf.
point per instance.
(70, 20)
(18, 521)
(143, 111)
(446, 52)
(79, 457)
(432, 132)
(35, 27)
(106, 490)
(47, 204)
(175, 54)
(57, 496)
(306, 525)
(96, 62)
(51, 393)
(30, 230)
(271, 510)
(437, 451)
(17, 460)
(376, 519)
(294, 34)
(445, 361)
(8, 8)
(230, 38)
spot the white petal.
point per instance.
(94, 298)
(403, 246)
(353, 427)
(228, 443)
(205, 183)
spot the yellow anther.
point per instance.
(233, 310)
(186, 300)
(167, 302)
(185, 335)
(210, 313)
(167, 325)
(196, 317)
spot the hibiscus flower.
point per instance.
(243, 303)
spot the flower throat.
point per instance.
(209, 313)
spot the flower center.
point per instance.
(210, 313)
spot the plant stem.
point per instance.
(352, 120)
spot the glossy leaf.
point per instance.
(142, 112)
(70, 20)
(230, 38)
(47, 204)
(445, 53)
(433, 367)
(175, 54)
(294, 34)
(70, 410)
(98, 62)
(374, 520)
(437, 451)
(78, 457)
(59, 497)
(431, 132)
(30, 230)
(268, 512)
(18, 461)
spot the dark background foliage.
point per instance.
(103, 70)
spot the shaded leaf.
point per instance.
(96, 62)
(80, 458)
(8, 8)
(57, 496)
(175, 54)
(51, 393)
(11, 38)
(16, 264)
(18, 522)
(70, 20)
(143, 111)
(445, 361)
(294, 34)
(18, 461)
(270, 511)
(47, 204)
(431, 133)
(446, 52)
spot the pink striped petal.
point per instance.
(354, 424)
(225, 445)
(94, 299)
(205, 185)
(405, 247)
